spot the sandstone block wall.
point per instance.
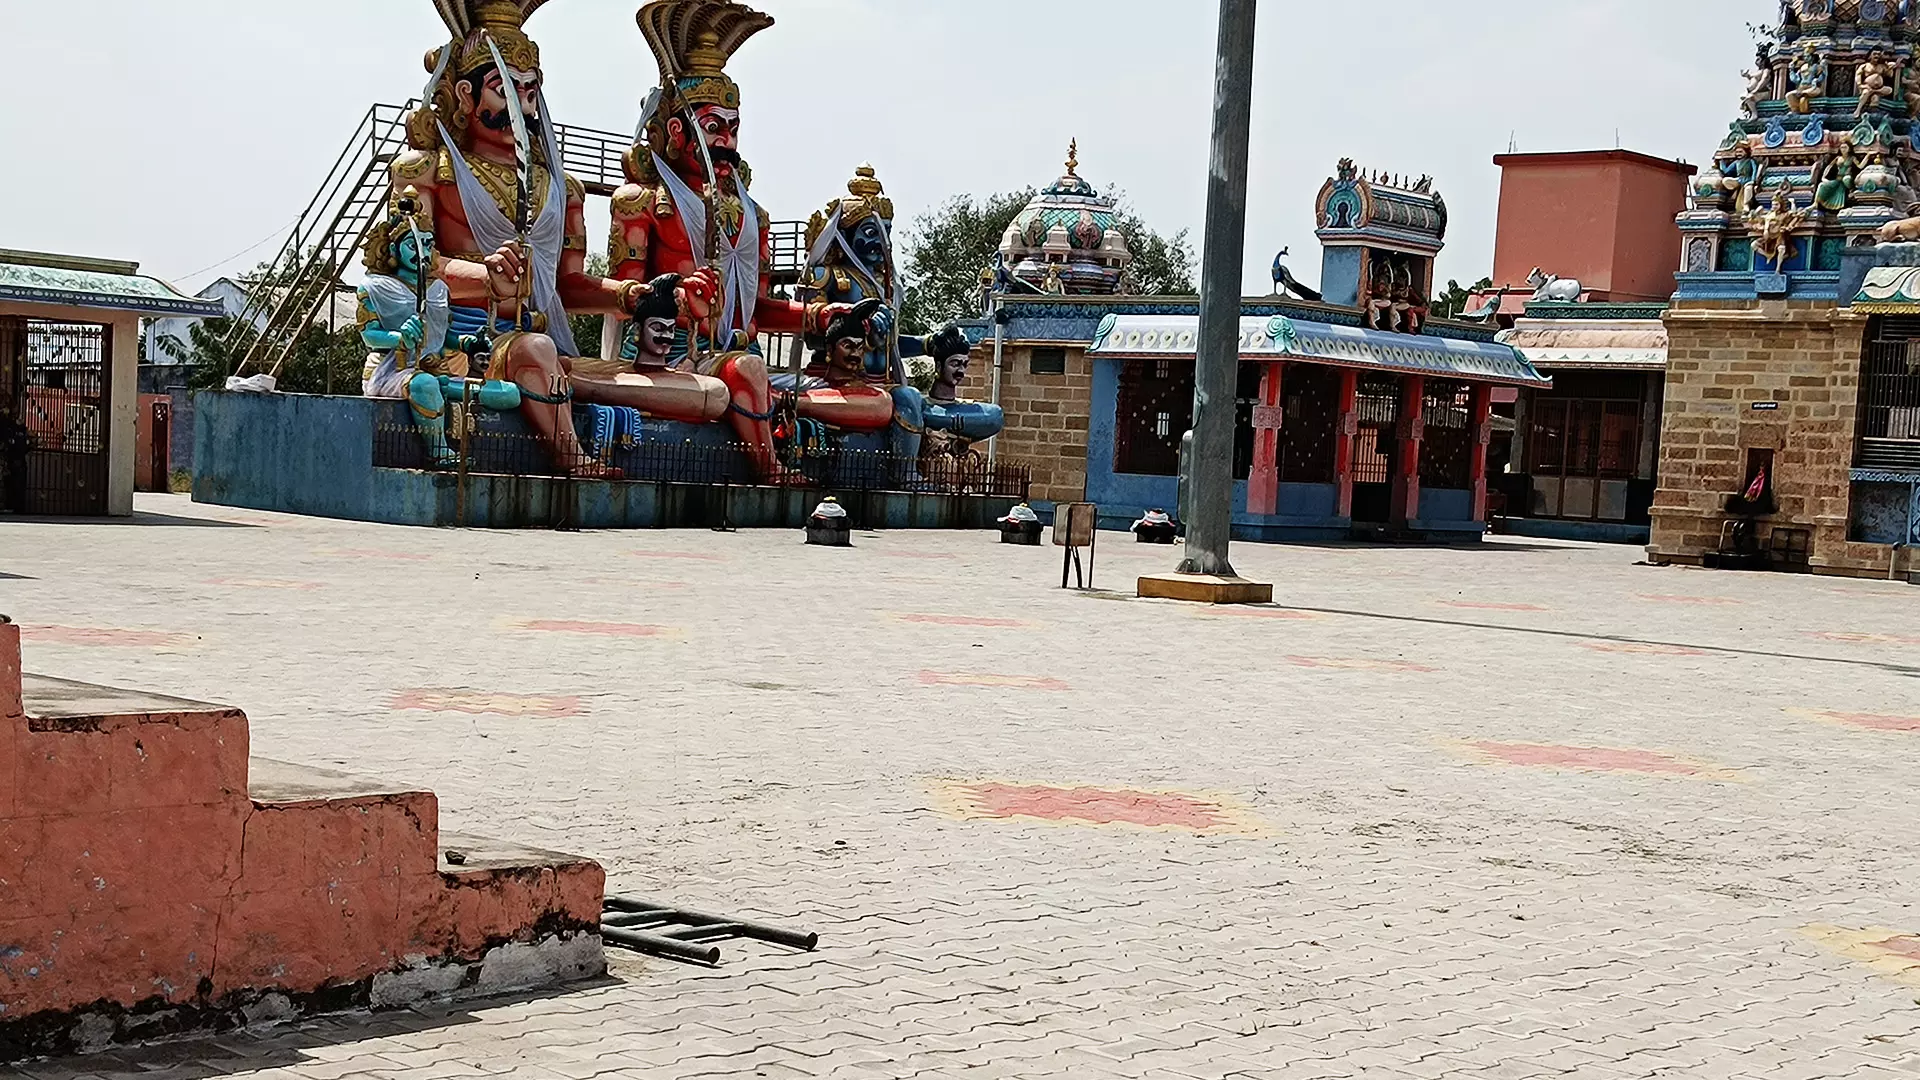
(1800, 362)
(1047, 417)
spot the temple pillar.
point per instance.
(1263, 482)
(1482, 420)
(1406, 463)
(1346, 434)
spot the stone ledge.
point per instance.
(1205, 589)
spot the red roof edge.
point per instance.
(1559, 156)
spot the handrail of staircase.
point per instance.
(287, 265)
(276, 297)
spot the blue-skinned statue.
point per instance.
(405, 322)
(959, 423)
(850, 259)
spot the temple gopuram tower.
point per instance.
(1065, 241)
(1761, 430)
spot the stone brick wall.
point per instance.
(1724, 358)
(1047, 417)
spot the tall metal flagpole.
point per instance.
(1209, 529)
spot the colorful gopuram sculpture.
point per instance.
(405, 321)
(1065, 241)
(687, 210)
(1379, 236)
(1819, 160)
(512, 228)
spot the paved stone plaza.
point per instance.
(1522, 810)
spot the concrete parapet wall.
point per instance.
(154, 880)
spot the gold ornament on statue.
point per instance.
(692, 40)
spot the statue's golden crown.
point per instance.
(692, 40)
(474, 21)
(866, 197)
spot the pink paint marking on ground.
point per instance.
(481, 703)
(1859, 638)
(565, 626)
(1095, 806)
(106, 637)
(689, 556)
(1872, 721)
(368, 553)
(1721, 601)
(1335, 663)
(1480, 605)
(1597, 758)
(1637, 648)
(263, 583)
(1903, 945)
(996, 682)
(961, 620)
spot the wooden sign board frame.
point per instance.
(1076, 526)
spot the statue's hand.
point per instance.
(412, 333)
(503, 272)
(881, 323)
(469, 343)
(697, 295)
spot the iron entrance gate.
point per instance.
(53, 417)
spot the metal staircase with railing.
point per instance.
(303, 276)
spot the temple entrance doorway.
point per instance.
(1376, 447)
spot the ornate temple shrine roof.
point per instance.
(1397, 213)
(1280, 337)
(35, 278)
(1068, 225)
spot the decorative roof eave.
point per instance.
(1550, 359)
(1889, 290)
(1281, 338)
(134, 293)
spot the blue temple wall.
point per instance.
(1340, 275)
(1302, 511)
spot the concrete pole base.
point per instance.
(1205, 589)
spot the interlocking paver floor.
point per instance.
(1522, 810)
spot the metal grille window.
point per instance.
(1584, 454)
(1377, 402)
(1047, 360)
(1311, 402)
(1155, 408)
(1890, 396)
(1446, 448)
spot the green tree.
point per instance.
(1452, 303)
(948, 247)
(587, 328)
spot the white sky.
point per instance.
(179, 132)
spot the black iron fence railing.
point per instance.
(1890, 405)
(487, 452)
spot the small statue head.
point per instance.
(402, 244)
(952, 356)
(849, 337)
(656, 319)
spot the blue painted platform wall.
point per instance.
(309, 454)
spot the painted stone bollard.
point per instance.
(1155, 528)
(828, 526)
(1021, 526)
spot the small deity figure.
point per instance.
(1773, 228)
(404, 321)
(1910, 85)
(1834, 177)
(1742, 176)
(1873, 81)
(1759, 83)
(1053, 284)
(961, 422)
(1809, 81)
